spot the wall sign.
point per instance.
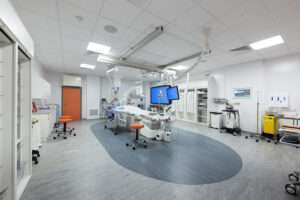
(241, 92)
(280, 99)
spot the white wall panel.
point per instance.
(280, 75)
(92, 97)
(72, 81)
(10, 17)
(41, 88)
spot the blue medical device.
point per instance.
(173, 93)
(164, 94)
(159, 95)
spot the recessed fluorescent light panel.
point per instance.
(179, 67)
(87, 66)
(105, 59)
(269, 42)
(98, 48)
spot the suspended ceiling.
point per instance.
(62, 29)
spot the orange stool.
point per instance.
(64, 121)
(70, 130)
(137, 127)
(66, 117)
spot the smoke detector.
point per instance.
(110, 29)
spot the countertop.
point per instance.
(42, 112)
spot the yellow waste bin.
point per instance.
(270, 124)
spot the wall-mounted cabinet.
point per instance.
(15, 118)
(23, 121)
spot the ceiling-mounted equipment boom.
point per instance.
(203, 53)
(116, 61)
(195, 55)
(146, 40)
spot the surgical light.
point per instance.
(98, 48)
(269, 42)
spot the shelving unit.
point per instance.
(202, 105)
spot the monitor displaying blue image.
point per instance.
(173, 93)
(159, 95)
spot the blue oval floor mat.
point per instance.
(189, 158)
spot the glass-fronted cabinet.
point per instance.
(23, 121)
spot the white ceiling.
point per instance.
(61, 40)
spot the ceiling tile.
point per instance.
(88, 5)
(120, 11)
(143, 55)
(194, 19)
(170, 46)
(146, 21)
(119, 41)
(46, 8)
(40, 22)
(140, 3)
(74, 32)
(219, 8)
(74, 46)
(286, 12)
(69, 16)
(169, 9)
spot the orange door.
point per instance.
(71, 104)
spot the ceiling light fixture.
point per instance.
(87, 66)
(269, 42)
(179, 67)
(105, 59)
(98, 48)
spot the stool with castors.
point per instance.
(137, 141)
(71, 131)
(294, 178)
(64, 132)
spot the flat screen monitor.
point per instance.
(173, 93)
(159, 95)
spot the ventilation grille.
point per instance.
(93, 112)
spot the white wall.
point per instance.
(41, 88)
(92, 96)
(55, 79)
(9, 16)
(263, 77)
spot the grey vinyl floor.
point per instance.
(80, 168)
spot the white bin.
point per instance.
(167, 136)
